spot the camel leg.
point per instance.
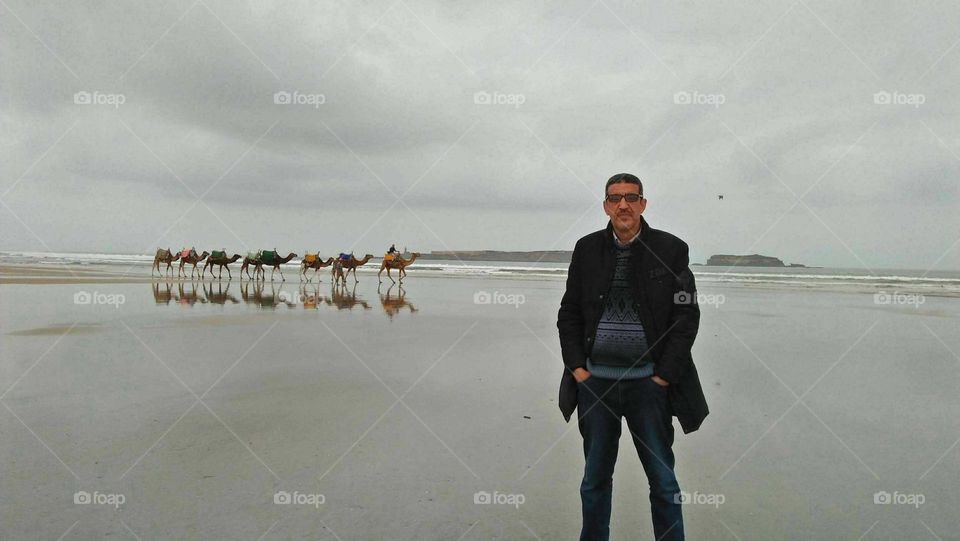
(282, 277)
(229, 276)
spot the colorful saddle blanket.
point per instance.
(185, 253)
(218, 253)
(344, 257)
(268, 257)
(310, 258)
(389, 257)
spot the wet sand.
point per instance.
(198, 402)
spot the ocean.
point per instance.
(916, 281)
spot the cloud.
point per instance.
(487, 115)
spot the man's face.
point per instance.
(624, 215)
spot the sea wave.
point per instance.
(854, 279)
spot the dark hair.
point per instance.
(624, 177)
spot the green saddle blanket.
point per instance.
(268, 257)
(217, 254)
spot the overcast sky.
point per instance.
(465, 125)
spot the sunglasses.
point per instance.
(630, 197)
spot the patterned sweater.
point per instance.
(620, 338)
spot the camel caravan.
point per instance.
(340, 266)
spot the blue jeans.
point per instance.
(600, 405)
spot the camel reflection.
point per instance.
(392, 304)
(310, 298)
(263, 299)
(162, 295)
(346, 300)
(221, 295)
(191, 297)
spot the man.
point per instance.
(627, 322)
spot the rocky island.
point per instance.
(754, 260)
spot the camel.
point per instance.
(399, 263)
(164, 256)
(272, 259)
(252, 258)
(190, 256)
(219, 258)
(313, 261)
(350, 265)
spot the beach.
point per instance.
(216, 409)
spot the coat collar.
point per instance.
(640, 240)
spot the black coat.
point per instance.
(664, 294)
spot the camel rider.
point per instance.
(391, 253)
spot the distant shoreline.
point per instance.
(563, 256)
(544, 256)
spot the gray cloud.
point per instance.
(585, 91)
